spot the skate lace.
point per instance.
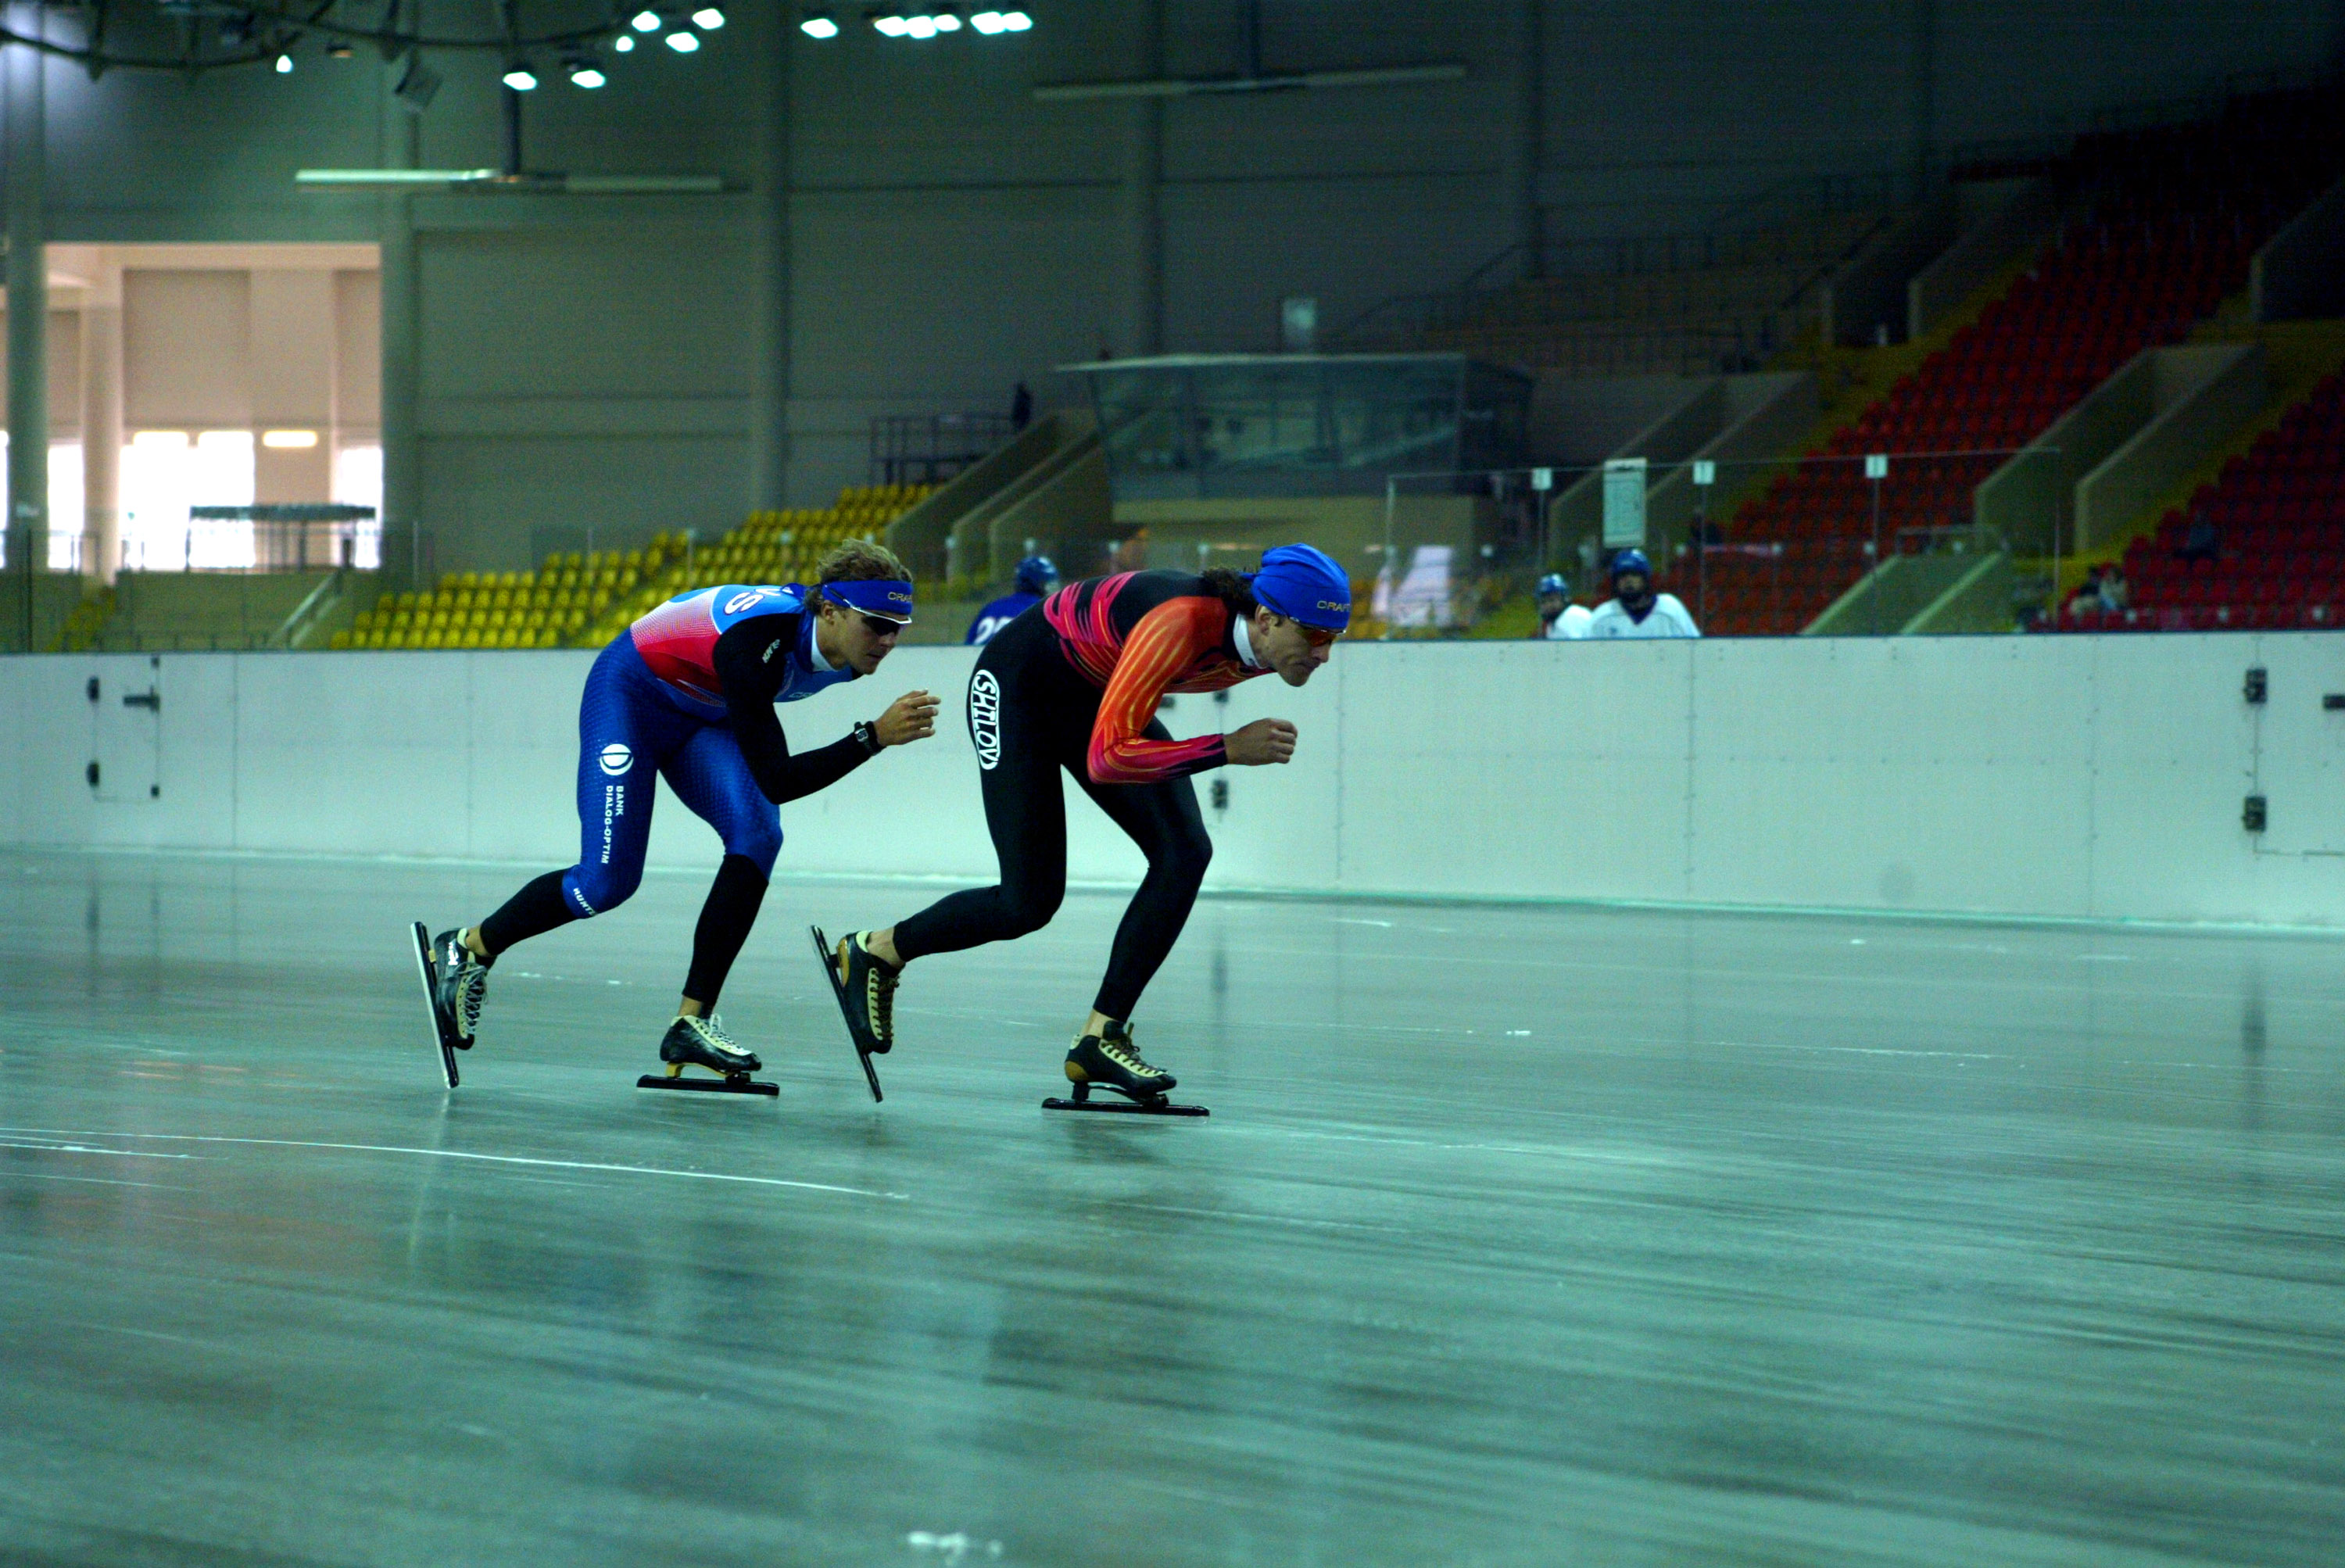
(472, 989)
(882, 999)
(711, 1031)
(1119, 1049)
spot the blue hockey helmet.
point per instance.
(1036, 573)
(1553, 582)
(1628, 561)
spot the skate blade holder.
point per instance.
(1079, 1098)
(730, 1084)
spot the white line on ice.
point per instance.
(101, 1181)
(466, 1154)
(92, 1149)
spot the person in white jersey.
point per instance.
(1634, 610)
(1560, 620)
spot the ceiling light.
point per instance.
(920, 26)
(288, 440)
(709, 18)
(819, 24)
(947, 19)
(645, 21)
(986, 21)
(684, 41)
(1016, 21)
(284, 64)
(339, 49)
(584, 73)
(520, 78)
(887, 21)
(625, 43)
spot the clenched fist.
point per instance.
(911, 717)
(1264, 741)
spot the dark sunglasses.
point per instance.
(881, 626)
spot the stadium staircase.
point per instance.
(1044, 492)
(2176, 214)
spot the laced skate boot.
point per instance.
(1109, 1060)
(462, 985)
(702, 1042)
(866, 992)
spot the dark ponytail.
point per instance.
(1230, 588)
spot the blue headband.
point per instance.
(889, 599)
(1304, 584)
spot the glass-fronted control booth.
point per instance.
(1200, 426)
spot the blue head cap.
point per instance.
(1036, 573)
(1631, 561)
(1553, 582)
(889, 599)
(1303, 584)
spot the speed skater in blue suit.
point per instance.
(688, 693)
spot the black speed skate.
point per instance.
(865, 989)
(454, 984)
(703, 1043)
(1109, 1060)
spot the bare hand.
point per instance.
(1264, 741)
(911, 717)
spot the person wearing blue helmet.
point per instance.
(1635, 610)
(1560, 620)
(1036, 578)
(1074, 687)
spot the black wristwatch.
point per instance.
(868, 733)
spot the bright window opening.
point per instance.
(65, 504)
(358, 482)
(164, 472)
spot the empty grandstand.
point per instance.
(584, 599)
(2165, 223)
(2260, 547)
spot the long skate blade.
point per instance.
(424, 971)
(1126, 1107)
(823, 956)
(711, 1085)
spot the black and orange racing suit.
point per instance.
(1074, 683)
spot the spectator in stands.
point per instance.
(1036, 578)
(2086, 600)
(2201, 542)
(2115, 594)
(1560, 620)
(1635, 610)
(1021, 407)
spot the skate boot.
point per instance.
(1109, 1060)
(462, 984)
(702, 1042)
(867, 991)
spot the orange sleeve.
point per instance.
(1168, 640)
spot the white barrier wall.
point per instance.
(2086, 777)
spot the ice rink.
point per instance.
(1518, 1235)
